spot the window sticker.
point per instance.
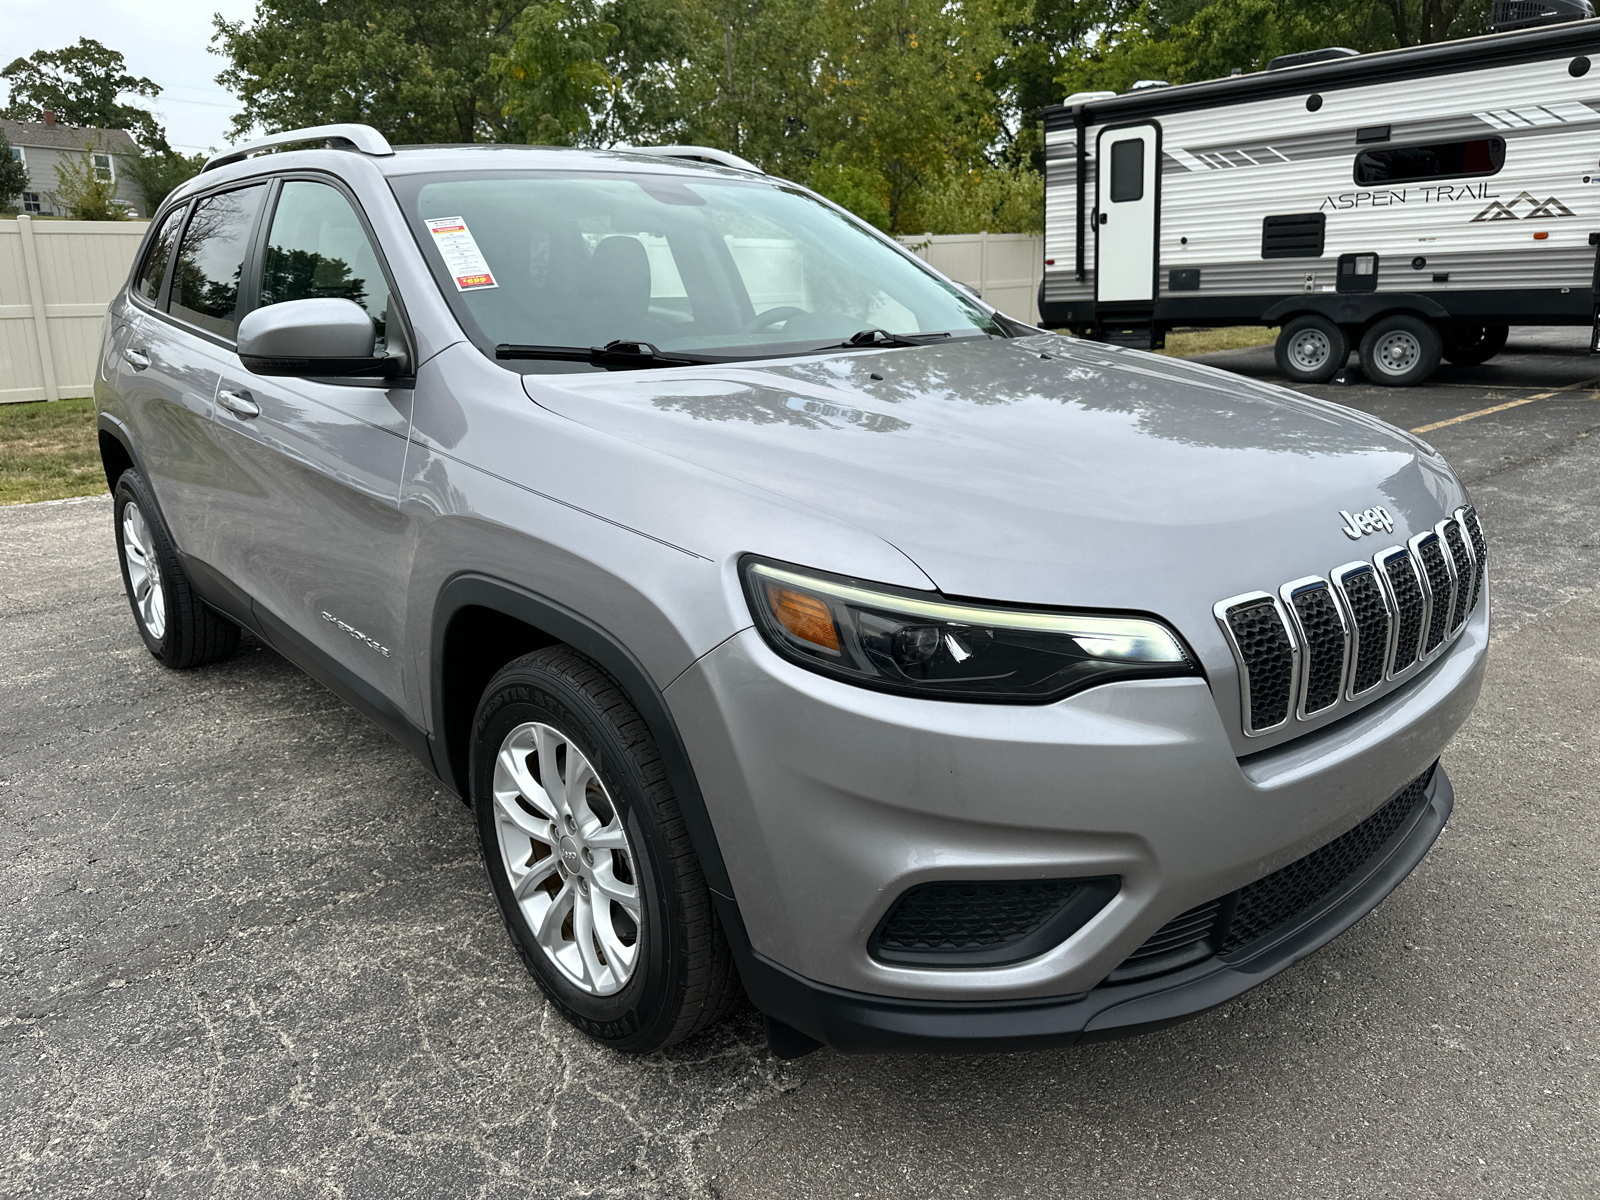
(460, 252)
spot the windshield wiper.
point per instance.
(617, 354)
(882, 337)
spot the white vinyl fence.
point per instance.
(56, 279)
(1006, 268)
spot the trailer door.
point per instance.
(1127, 201)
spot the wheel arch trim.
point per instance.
(1354, 309)
(563, 624)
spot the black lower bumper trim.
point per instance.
(859, 1023)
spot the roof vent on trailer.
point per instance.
(1506, 15)
(1144, 85)
(1326, 54)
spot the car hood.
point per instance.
(1040, 469)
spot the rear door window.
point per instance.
(317, 247)
(147, 284)
(205, 282)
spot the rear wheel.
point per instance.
(589, 859)
(1311, 349)
(1470, 345)
(175, 624)
(1400, 350)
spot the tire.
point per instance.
(1400, 350)
(613, 862)
(174, 622)
(1311, 349)
(1473, 345)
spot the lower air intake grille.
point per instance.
(1431, 555)
(1268, 658)
(1232, 922)
(1401, 572)
(1371, 618)
(1480, 552)
(1268, 903)
(1318, 614)
(973, 923)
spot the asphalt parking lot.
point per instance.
(246, 948)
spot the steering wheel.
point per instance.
(772, 316)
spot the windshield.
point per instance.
(697, 267)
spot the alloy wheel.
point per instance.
(568, 858)
(144, 571)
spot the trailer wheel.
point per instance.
(1311, 349)
(1400, 350)
(1470, 345)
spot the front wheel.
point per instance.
(589, 859)
(175, 624)
(1400, 350)
(1311, 349)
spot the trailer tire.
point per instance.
(1400, 350)
(1472, 345)
(1311, 349)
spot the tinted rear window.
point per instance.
(1435, 160)
(205, 284)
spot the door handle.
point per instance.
(1104, 217)
(137, 359)
(238, 403)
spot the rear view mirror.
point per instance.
(318, 337)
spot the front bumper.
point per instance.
(829, 801)
(852, 1022)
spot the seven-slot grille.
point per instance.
(1321, 643)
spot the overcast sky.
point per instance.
(166, 40)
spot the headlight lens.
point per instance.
(903, 642)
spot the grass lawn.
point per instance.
(48, 451)
(1182, 343)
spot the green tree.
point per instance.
(553, 74)
(419, 72)
(157, 172)
(82, 85)
(83, 191)
(13, 178)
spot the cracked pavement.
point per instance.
(246, 947)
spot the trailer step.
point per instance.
(1136, 336)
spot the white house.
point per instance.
(40, 145)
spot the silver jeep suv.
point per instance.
(792, 621)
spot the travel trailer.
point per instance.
(1408, 204)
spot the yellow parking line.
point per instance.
(1484, 412)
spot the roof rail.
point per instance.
(698, 154)
(364, 138)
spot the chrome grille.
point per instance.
(1456, 542)
(1410, 601)
(1425, 548)
(1322, 643)
(1480, 552)
(1268, 658)
(1370, 625)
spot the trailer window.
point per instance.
(1127, 170)
(1434, 160)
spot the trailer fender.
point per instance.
(1354, 309)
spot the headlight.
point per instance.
(905, 642)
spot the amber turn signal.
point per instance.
(1541, 235)
(804, 616)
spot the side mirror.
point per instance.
(969, 290)
(312, 337)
